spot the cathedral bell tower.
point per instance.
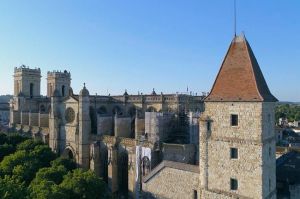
(60, 81)
(237, 139)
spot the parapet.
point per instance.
(58, 74)
(26, 69)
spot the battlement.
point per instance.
(27, 70)
(58, 74)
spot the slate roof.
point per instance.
(240, 77)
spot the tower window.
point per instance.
(63, 91)
(233, 153)
(270, 151)
(208, 126)
(233, 184)
(195, 194)
(31, 90)
(234, 120)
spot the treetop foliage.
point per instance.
(291, 112)
(30, 170)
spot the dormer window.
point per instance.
(234, 120)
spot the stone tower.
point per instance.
(84, 128)
(60, 81)
(237, 140)
(27, 82)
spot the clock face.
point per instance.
(69, 115)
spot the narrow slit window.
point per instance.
(208, 126)
(31, 90)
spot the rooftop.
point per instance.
(240, 77)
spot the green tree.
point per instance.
(84, 184)
(44, 154)
(28, 145)
(9, 162)
(12, 188)
(6, 149)
(26, 172)
(67, 163)
(47, 190)
(3, 138)
(54, 174)
(15, 139)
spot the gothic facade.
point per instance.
(120, 137)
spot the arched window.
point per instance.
(145, 165)
(151, 109)
(132, 111)
(117, 110)
(42, 108)
(63, 90)
(31, 90)
(102, 110)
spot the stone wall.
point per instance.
(157, 126)
(24, 118)
(4, 115)
(172, 180)
(123, 127)
(139, 127)
(104, 125)
(184, 153)
(294, 191)
(33, 119)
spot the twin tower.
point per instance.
(27, 82)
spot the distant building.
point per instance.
(288, 175)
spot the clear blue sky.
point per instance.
(141, 44)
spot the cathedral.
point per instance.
(220, 145)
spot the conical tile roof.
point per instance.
(240, 77)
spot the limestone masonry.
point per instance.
(161, 145)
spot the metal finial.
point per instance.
(234, 18)
(84, 84)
